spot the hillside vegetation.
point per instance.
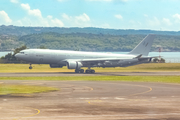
(84, 39)
(97, 42)
(21, 31)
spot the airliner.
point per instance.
(78, 59)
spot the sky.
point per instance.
(161, 15)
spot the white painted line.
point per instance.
(23, 110)
(53, 109)
(85, 98)
(117, 98)
(104, 98)
(153, 97)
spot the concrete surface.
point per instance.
(89, 100)
(96, 74)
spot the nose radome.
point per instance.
(17, 55)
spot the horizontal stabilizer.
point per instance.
(139, 56)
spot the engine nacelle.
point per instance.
(74, 65)
(55, 65)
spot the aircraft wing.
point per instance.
(109, 59)
(95, 61)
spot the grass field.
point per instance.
(25, 89)
(22, 89)
(166, 79)
(16, 68)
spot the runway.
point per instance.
(44, 74)
(90, 100)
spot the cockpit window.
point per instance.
(22, 52)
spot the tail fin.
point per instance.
(144, 46)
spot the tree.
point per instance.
(10, 58)
(43, 47)
(156, 60)
(17, 50)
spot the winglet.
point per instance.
(144, 46)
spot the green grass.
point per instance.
(16, 68)
(23, 89)
(165, 79)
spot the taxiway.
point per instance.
(44, 74)
(89, 100)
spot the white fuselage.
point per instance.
(46, 56)
(77, 59)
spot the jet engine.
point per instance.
(74, 65)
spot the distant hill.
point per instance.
(21, 31)
(97, 42)
(84, 39)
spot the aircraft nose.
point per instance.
(17, 55)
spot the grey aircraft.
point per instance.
(78, 59)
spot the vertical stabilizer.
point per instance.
(144, 46)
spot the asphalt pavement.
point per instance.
(90, 100)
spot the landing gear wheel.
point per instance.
(87, 71)
(76, 71)
(92, 71)
(81, 70)
(30, 67)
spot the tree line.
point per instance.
(21, 31)
(10, 57)
(97, 42)
(87, 42)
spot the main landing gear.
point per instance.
(79, 71)
(82, 71)
(90, 71)
(30, 67)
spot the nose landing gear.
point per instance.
(30, 67)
